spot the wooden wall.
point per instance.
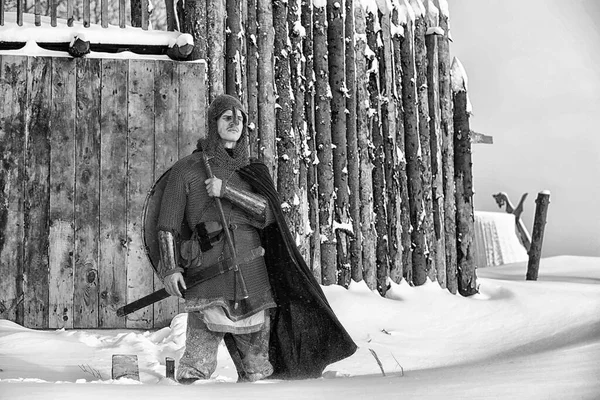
(82, 141)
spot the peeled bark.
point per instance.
(355, 243)
(379, 194)
(405, 234)
(367, 224)
(435, 135)
(324, 151)
(337, 83)
(447, 133)
(266, 89)
(414, 162)
(463, 177)
(423, 109)
(389, 129)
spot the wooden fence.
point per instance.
(82, 141)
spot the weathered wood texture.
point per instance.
(537, 235)
(76, 170)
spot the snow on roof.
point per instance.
(95, 34)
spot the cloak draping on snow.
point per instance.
(306, 336)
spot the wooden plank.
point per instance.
(37, 193)
(166, 104)
(62, 187)
(112, 266)
(477, 138)
(192, 106)
(13, 78)
(87, 153)
(140, 277)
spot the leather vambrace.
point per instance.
(252, 203)
(168, 261)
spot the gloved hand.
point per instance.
(173, 283)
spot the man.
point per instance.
(266, 311)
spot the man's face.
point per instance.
(229, 126)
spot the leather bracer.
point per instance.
(168, 261)
(252, 203)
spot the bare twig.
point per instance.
(378, 361)
(401, 369)
(92, 371)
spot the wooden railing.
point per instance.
(70, 14)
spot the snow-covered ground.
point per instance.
(516, 339)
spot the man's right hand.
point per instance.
(172, 283)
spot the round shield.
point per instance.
(150, 221)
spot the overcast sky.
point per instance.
(534, 82)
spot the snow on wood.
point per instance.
(405, 12)
(319, 3)
(418, 7)
(385, 6)
(370, 6)
(442, 5)
(459, 80)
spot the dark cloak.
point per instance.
(306, 336)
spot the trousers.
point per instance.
(249, 352)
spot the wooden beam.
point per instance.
(480, 138)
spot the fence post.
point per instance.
(537, 236)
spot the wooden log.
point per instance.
(310, 157)
(195, 23)
(112, 243)
(20, 12)
(192, 106)
(414, 161)
(38, 13)
(53, 7)
(104, 13)
(122, 10)
(37, 193)
(405, 226)
(389, 133)
(363, 123)
(378, 155)
(266, 89)
(87, 224)
(145, 15)
(1, 13)
(435, 135)
(136, 13)
(166, 106)
(13, 86)
(299, 125)
(537, 235)
(252, 78)
(355, 241)
(170, 368)
(325, 180)
(463, 177)
(215, 17)
(140, 277)
(62, 190)
(87, 13)
(125, 366)
(447, 133)
(337, 84)
(420, 50)
(235, 52)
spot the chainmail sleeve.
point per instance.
(172, 208)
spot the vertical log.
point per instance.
(299, 126)
(166, 105)
(537, 235)
(355, 241)
(62, 188)
(378, 155)
(337, 84)
(13, 85)
(104, 13)
(310, 157)
(388, 123)
(463, 177)
(1, 13)
(433, 96)
(20, 12)
(112, 242)
(87, 175)
(402, 179)
(325, 178)
(420, 50)
(53, 6)
(145, 15)
(122, 10)
(363, 111)
(195, 23)
(87, 13)
(266, 88)
(235, 52)
(140, 170)
(414, 161)
(37, 193)
(136, 13)
(287, 154)
(215, 17)
(252, 81)
(447, 133)
(38, 13)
